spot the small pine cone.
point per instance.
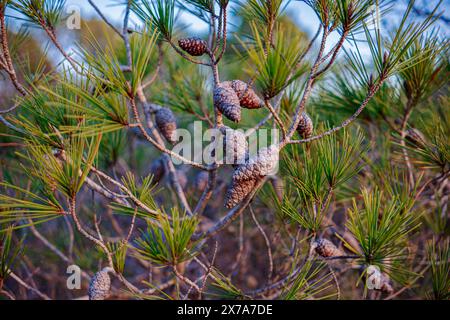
(247, 96)
(166, 122)
(194, 46)
(157, 169)
(416, 137)
(201, 180)
(263, 164)
(227, 101)
(100, 285)
(238, 191)
(278, 186)
(235, 146)
(305, 126)
(326, 248)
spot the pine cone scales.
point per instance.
(305, 126)
(238, 191)
(247, 96)
(260, 165)
(194, 46)
(227, 101)
(247, 175)
(235, 146)
(100, 285)
(326, 248)
(166, 123)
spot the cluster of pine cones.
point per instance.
(231, 96)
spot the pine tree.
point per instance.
(349, 201)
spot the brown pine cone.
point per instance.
(227, 101)
(238, 191)
(166, 123)
(157, 169)
(194, 46)
(326, 248)
(305, 126)
(100, 285)
(247, 96)
(235, 146)
(246, 175)
(260, 165)
(201, 180)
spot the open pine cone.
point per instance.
(194, 46)
(248, 174)
(247, 96)
(260, 165)
(238, 191)
(166, 123)
(227, 101)
(326, 248)
(235, 146)
(100, 285)
(305, 126)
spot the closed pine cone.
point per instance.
(166, 122)
(194, 46)
(326, 248)
(227, 101)
(235, 146)
(238, 191)
(260, 165)
(100, 285)
(305, 126)
(247, 96)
